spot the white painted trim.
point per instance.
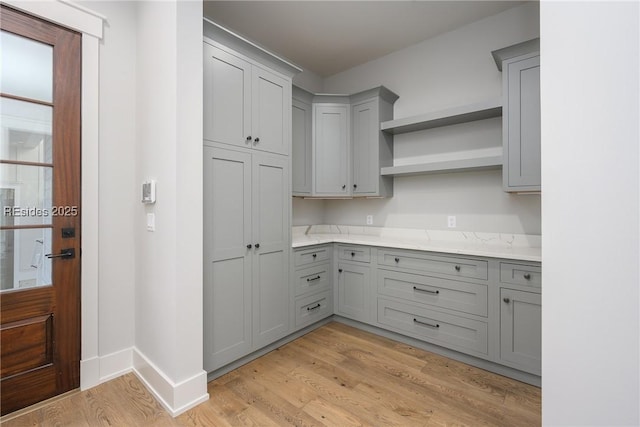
(65, 13)
(90, 204)
(176, 398)
(97, 370)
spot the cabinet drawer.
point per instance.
(467, 335)
(313, 279)
(518, 274)
(313, 308)
(460, 296)
(313, 254)
(460, 267)
(354, 253)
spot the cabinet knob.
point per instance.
(527, 276)
(249, 138)
(344, 186)
(257, 245)
(353, 254)
(249, 246)
(457, 267)
(507, 300)
(355, 185)
(255, 141)
(314, 255)
(397, 259)
(339, 270)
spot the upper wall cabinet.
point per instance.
(244, 105)
(338, 147)
(520, 66)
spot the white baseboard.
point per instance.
(176, 398)
(96, 370)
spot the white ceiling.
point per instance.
(328, 37)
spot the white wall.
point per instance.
(118, 196)
(590, 156)
(168, 300)
(452, 69)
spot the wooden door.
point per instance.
(271, 225)
(227, 256)
(521, 329)
(270, 116)
(227, 98)
(40, 229)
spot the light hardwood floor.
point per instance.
(334, 376)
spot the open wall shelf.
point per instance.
(460, 165)
(450, 116)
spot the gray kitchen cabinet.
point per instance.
(244, 105)
(271, 236)
(312, 284)
(521, 123)
(246, 249)
(227, 259)
(301, 143)
(352, 291)
(521, 330)
(331, 150)
(372, 148)
(338, 147)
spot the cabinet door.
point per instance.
(227, 261)
(301, 147)
(365, 129)
(227, 97)
(271, 224)
(521, 329)
(270, 121)
(353, 292)
(331, 150)
(522, 124)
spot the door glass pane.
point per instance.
(26, 195)
(27, 67)
(22, 258)
(25, 131)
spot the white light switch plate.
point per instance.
(151, 222)
(451, 221)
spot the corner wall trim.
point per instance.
(176, 398)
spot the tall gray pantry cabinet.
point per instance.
(247, 197)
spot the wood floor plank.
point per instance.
(334, 376)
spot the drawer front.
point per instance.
(354, 253)
(313, 279)
(466, 335)
(458, 267)
(312, 254)
(313, 308)
(460, 296)
(519, 274)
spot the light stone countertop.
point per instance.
(521, 247)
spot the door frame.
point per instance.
(90, 25)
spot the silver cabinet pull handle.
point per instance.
(313, 279)
(429, 291)
(431, 325)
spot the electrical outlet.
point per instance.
(369, 219)
(451, 221)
